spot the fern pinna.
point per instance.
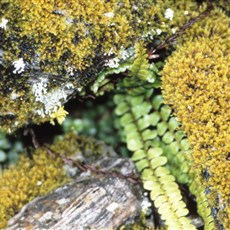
(160, 149)
(139, 122)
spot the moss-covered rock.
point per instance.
(196, 82)
(50, 50)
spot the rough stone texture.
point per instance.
(52, 51)
(89, 202)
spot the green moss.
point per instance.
(216, 23)
(72, 33)
(27, 180)
(196, 83)
(65, 45)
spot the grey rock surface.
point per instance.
(89, 202)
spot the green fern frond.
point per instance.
(141, 67)
(172, 140)
(177, 149)
(136, 67)
(139, 117)
(203, 207)
(159, 147)
(104, 80)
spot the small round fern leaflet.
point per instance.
(138, 120)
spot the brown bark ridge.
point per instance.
(88, 202)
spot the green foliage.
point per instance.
(135, 67)
(160, 149)
(141, 67)
(96, 118)
(4, 145)
(156, 124)
(150, 134)
(203, 207)
(9, 150)
(102, 82)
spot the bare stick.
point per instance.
(93, 169)
(181, 30)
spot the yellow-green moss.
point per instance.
(223, 4)
(183, 12)
(69, 43)
(72, 30)
(70, 34)
(18, 112)
(196, 82)
(215, 23)
(27, 180)
(31, 178)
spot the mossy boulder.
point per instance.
(52, 50)
(196, 80)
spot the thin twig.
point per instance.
(181, 30)
(84, 167)
(34, 139)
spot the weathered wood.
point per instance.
(89, 202)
